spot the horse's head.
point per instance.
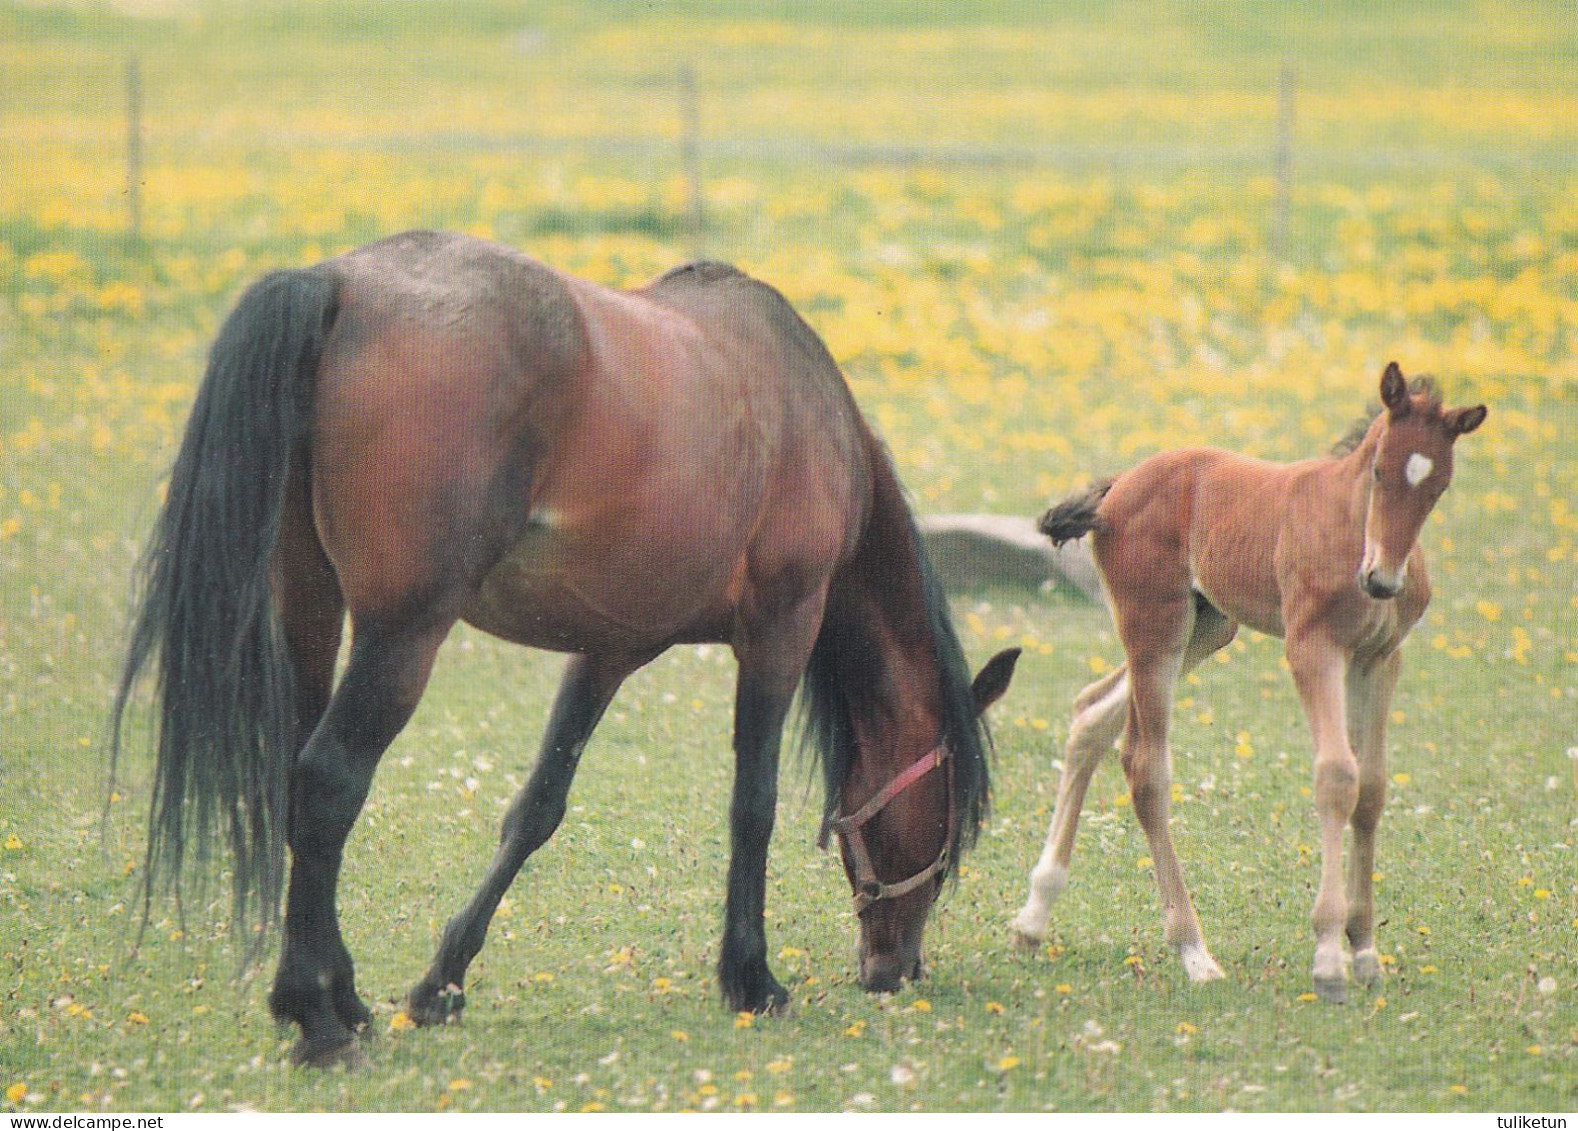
(1412, 466)
(900, 837)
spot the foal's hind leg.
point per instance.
(315, 983)
(1099, 713)
(1369, 702)
(1151, 634)
(588, 687)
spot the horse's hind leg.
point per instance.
(311, 608)
(588, 687)
(1099, 713)
(1369, 702)
(315, 983)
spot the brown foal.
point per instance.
(1324, 553)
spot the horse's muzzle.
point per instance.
(887, 974)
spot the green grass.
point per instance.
(1013, 328)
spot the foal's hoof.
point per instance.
(1367, 967)
(435, 1005)
(1333, 990)
(1024, 939)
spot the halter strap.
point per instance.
(868, 889)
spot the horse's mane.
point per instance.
(1424, 386)
(844, 678)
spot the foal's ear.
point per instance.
(1462, 421)
(992, 681)
(1394, 390)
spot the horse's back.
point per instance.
(579, 467)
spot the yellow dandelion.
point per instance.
(1007, 1063)
(401, 1022)
(994, 1007)
(744, 1020)
(16, 1093)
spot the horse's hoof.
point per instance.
(769, 999)
(1332, 990)
(432, 1005)
(343, 1053)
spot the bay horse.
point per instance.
(433, 429)
(1324, 553)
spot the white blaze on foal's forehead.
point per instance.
(1418, 469)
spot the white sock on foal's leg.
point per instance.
(1047, 882)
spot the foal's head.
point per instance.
(1411, 467)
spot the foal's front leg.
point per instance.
(1369, 702)
(1320, 673)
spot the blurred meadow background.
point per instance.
(1044, 240)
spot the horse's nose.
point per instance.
(885, 973)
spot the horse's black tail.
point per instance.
(225, 715)
(1076, 516)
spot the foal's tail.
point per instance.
(1077, 515)
(223, 683)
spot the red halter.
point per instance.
(868, 889)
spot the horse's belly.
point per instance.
(569, 594)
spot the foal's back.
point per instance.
(1243, 533)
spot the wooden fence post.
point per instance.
(690, 154)
(134, 146)
(1287, 89)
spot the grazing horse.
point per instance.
(432, 429)
(1324, 553)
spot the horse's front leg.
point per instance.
(1369, 703)
(588, 686)
(315, 986)
(1319, 671)
(771, 661)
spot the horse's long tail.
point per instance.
(225, 730)
(1076, 516)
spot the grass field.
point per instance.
(1038, 243)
